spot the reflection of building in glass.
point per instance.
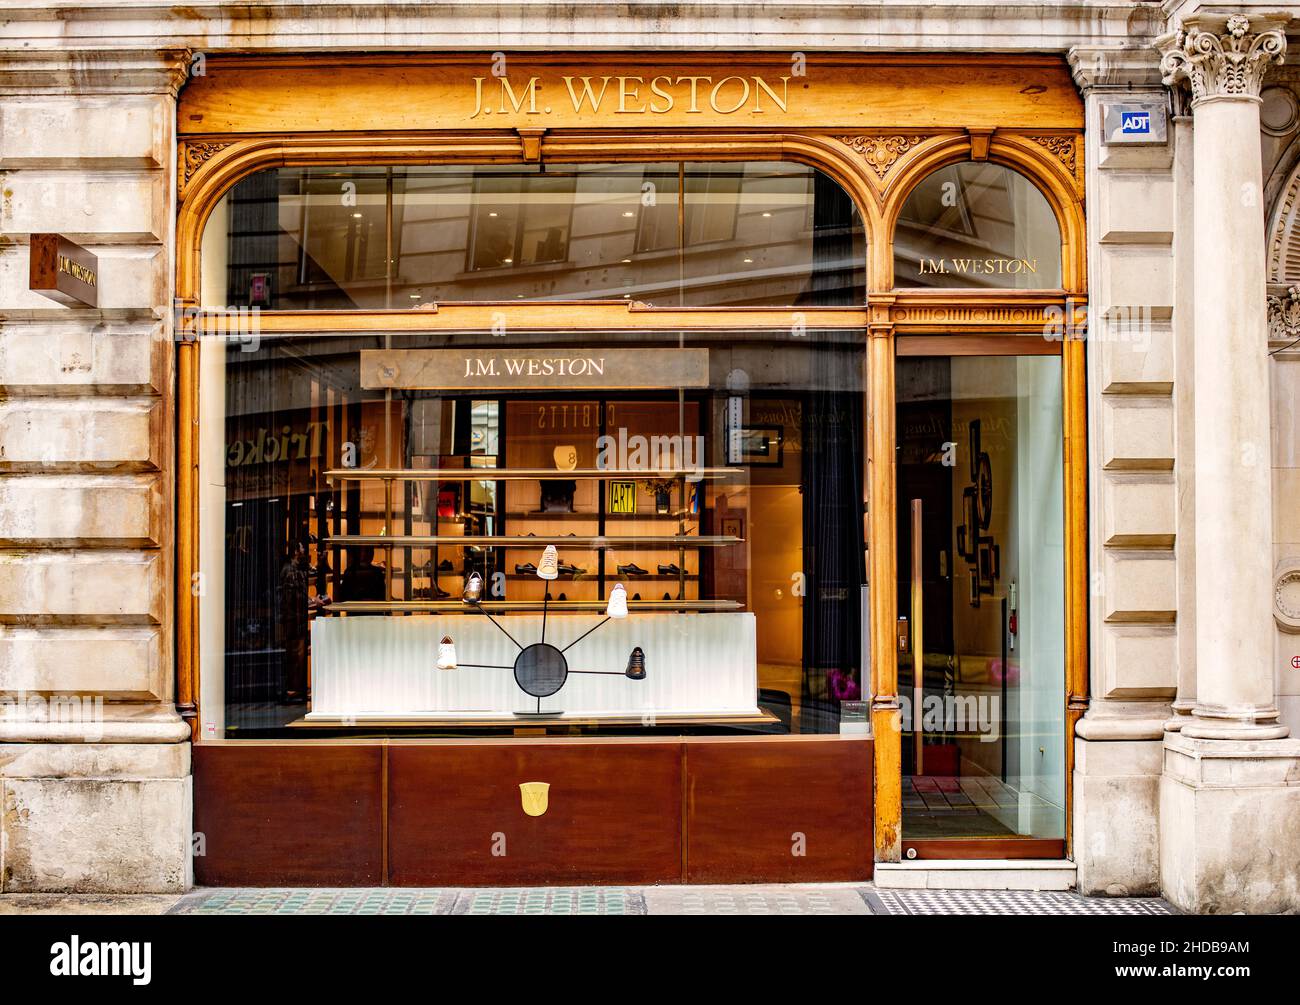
(746, 233)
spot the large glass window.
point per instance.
(977, 226)
(707, 486)
(668, 234)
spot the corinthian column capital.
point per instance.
(1223, 57)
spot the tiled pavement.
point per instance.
(662, 900)
(589, 900)
(611, 900)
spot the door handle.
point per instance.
(918, 639)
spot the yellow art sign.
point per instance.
(622, 497)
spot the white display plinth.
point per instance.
(379, 666)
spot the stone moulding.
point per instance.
(1286, 596)
(1227, 61)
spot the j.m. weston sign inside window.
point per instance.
(633, 95)
(978, 266)
(530, 369)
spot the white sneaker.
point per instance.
(548, 567)
(617, 607)
(447, 654)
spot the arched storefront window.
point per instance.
(977, 226)
(538, 428)
(667, 234)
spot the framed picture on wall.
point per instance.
(969, 541)
(989, 564)
(733, 526)
(759, 446)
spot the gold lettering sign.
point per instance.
(531, 369)
(721, 94)
(978, 266)
(63, 271)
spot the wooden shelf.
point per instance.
(639, 542)
(447, 719)
(591, 576)
(537, 515)
(520, 474)
(494, 606)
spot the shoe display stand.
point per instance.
(382, 648)
(681, 541)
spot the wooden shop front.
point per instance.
(628, 470)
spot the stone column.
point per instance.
(1229, 805)
(1224, 61)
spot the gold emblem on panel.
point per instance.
(534, 796)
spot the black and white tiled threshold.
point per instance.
(1000, 902)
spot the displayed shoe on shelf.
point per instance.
(667, 595)
(571, 570)
(632, 569)
(527, 569)
(617, 606)
(473, 589)
(447, 654)
(562, 596)
(636, 665)
(636, 596)
(445, 565)
(548, 567)
(423, 569)
(669, 570)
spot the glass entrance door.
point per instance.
(981, 603)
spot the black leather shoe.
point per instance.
(526, 570)
(636, 665)
(669, 570)
(632, 569)
(570, 570)
(445, 565)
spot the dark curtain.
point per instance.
(833, 547)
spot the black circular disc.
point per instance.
(541, 670)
